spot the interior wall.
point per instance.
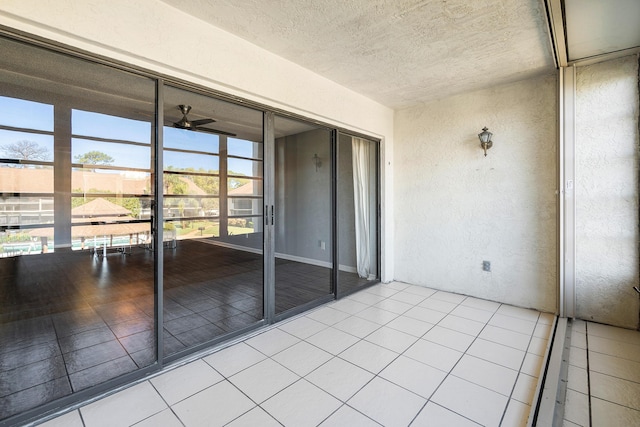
(606, 192)
(158, 37)
(303, 196)
(455, 208)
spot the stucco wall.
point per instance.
(606, 192)
(455, 208)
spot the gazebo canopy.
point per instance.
(99, 217)
(99, 208)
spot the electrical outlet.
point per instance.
(486, 265)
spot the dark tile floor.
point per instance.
(69, 321)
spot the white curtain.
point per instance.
(361, 152)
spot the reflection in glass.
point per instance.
(190, 207)
(302, 214)
(191, 141)
(92, 181)
(97, 154)
(213, 264)
(90, 123)
(244, 167)
(243, 148)
(21, 113)
(240, 186)
(191, 162)
(76, 277)
(25, 146)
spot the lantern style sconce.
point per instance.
(485, 140)
(317, 161)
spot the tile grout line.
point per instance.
(520, 369)
(304, 377)
(456, 364)
(448, 373)
(170, 407)
(337, 356)
(343, 403)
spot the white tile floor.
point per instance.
(392, 355)
(603, 387)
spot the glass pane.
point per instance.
(88, 181)
(190, 162)
(25, 145)
(98, 153)
(25, 179)
(189, 140)
(245, 167)
(77, 280)
(174, 230)
(182, 183)
(245, 206)
(213, 265)
(244, 187)
(21, 113)
(88, 123)
(241, 226)
(190, 207)
(19, 242)
(26, 210)
(302, 214)
(242, 148)
(357, 228)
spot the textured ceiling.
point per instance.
(397, 52)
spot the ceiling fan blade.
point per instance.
(214, 131)
(201, 122)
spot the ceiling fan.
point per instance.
(197, 125)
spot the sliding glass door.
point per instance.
(357, 216)
(76, 289)
(142, 220)
(212, 219)
(303, 214)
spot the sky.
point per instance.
(20, 113)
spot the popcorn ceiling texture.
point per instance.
(397, 52)
(455, 208)
(607, 192)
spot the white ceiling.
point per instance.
(397, 52)
(597, 27)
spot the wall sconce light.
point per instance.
(317, 161)
(485, 140)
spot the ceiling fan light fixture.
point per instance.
(196, 125)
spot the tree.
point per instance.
(26, 150)
(174, 184)
(94, 158)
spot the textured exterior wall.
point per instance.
(455, 208)
(607, 192)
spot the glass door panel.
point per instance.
(303, 214)
(213, 229)
(77, 300)
(357, 213)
